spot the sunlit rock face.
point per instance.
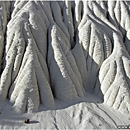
(64, 50)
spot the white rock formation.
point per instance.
(4, 16)
(65, 50)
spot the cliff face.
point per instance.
(64, 50)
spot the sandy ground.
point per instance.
(82, 114)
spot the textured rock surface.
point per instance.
(4, 16)
(65, 50)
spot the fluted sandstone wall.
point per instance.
(64, 50)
